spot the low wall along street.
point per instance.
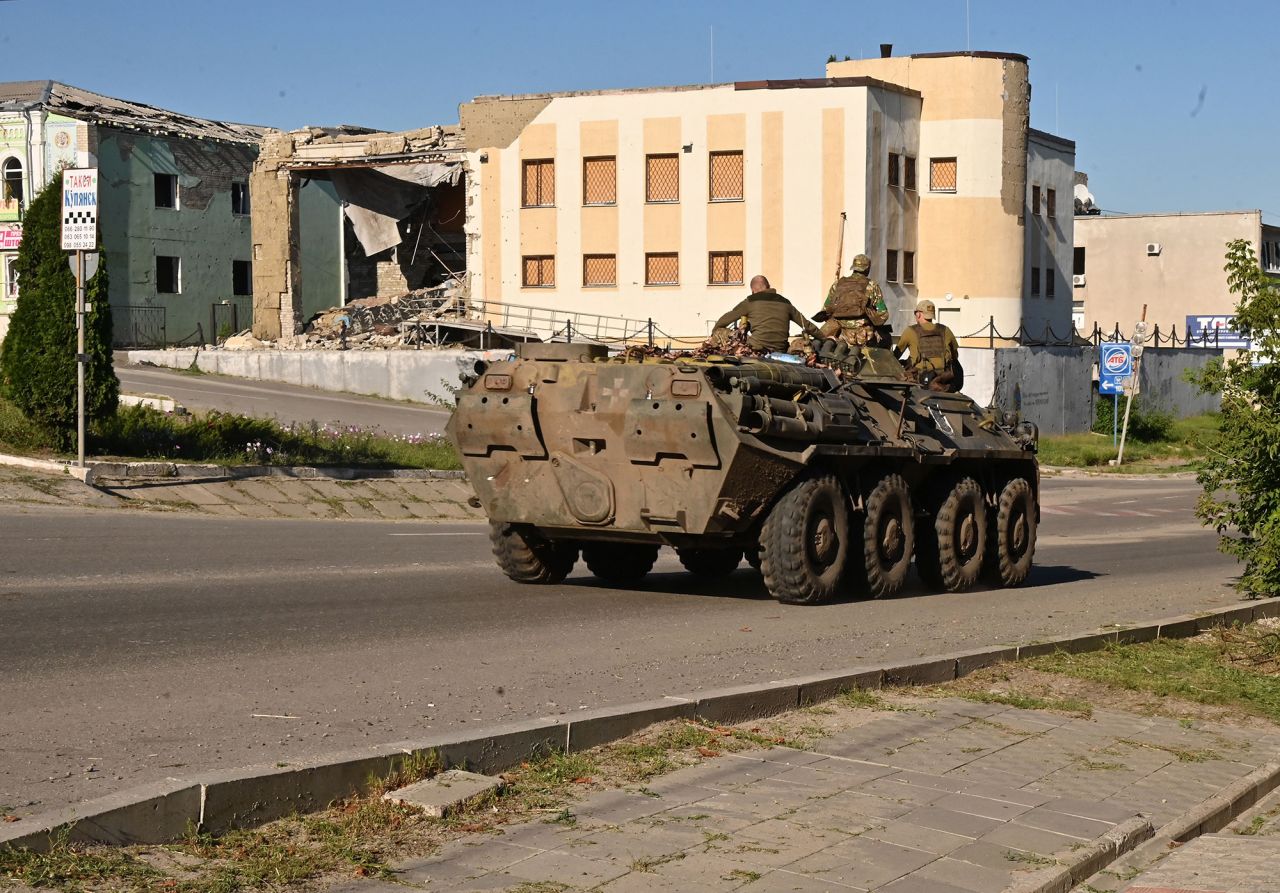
(1054, 387)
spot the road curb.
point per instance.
(256, 794)
(1087, 861)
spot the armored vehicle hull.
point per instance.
(829, 481)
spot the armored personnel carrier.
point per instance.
(830, 481)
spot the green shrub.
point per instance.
(1145, 424)
(37, 357)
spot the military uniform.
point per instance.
(854, 307)
(769, 315)
(933, 348)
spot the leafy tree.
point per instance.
(1241, 478)
(38, 356)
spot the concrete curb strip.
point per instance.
(256, 794)
(1217, 812)
(1087, 861)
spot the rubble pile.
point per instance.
(382, 316)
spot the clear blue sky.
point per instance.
(1172, 103)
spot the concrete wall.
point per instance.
(1049, 240)
(420, 376)
(202, 232)
(1162, 384)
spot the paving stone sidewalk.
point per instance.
(949, 796)
(1215, 863)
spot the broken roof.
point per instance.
(84, 105)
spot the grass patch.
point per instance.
(1238, 668)
(866, 698)
(140, 432)
(1072, 706)
(1179, 448)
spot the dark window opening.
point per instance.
(241, 277)
(893, 169)
(909, 172)
(240, 199)
(1035, 280)
(891, 265)
(166, 191)
(168, 275)
(908, 267)
(1050, 281)
(1035, 199)
(1077, 262)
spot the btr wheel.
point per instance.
(710, 563)
(527, 557)
(960, 536)
(888, 536)
(619, 562)
(1012, 541)
(804, 543)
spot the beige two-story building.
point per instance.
(662, 203)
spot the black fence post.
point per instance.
(991, 332)
(651, 331)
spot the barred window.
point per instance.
(908, 267)
(662, 269)
(600, 180)
(1050, 281)
(909, 172)
(1035, 200)
(726, 176)
(891, 265)
(539, 183)
(539, 271)
(662, 178)
(599, 270)
(1035, 280)
(893, 169)
(1050, 203)
(942, 175)
(725, 268)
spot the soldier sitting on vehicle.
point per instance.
(768, 315)
(934, 351)
(854, 307)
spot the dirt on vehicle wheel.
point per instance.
(527, 557)
(960, 536)
(619, 562)
(888, 536)
(1012, 541)
(805, 542)
(710, 563)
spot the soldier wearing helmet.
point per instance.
(854, 307)
(934, 351)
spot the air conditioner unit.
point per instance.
(1153, 249)
(1078, 280)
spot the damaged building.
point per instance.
(353, 217)
(173, 197)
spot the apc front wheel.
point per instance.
(888, 536)
(619, 562)
(527, 557)
(1013, 539)
(804, 543)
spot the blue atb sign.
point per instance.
(1115, 366)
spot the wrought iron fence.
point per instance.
(227, 317)
(1049, 337)
(138, 325)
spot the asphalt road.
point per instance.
(134, 646)
(288, 403)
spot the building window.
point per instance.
(599, 270)
(1051, 203)
(12, 189)
(539, 271)
(240, 199)
(725, 177)
(908, 268)
(1035, 281)
(167, 191)
(662, 269)
(1035, 200)
(891, 265)
(725, 268)
(539, 189)
(11, 277)
(893, 169)
(1050, 281)
(1077, 262)
(168, 275)
(909, 172)
(942, 175)
(600, 180)
(241, 277)
(662, 178)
